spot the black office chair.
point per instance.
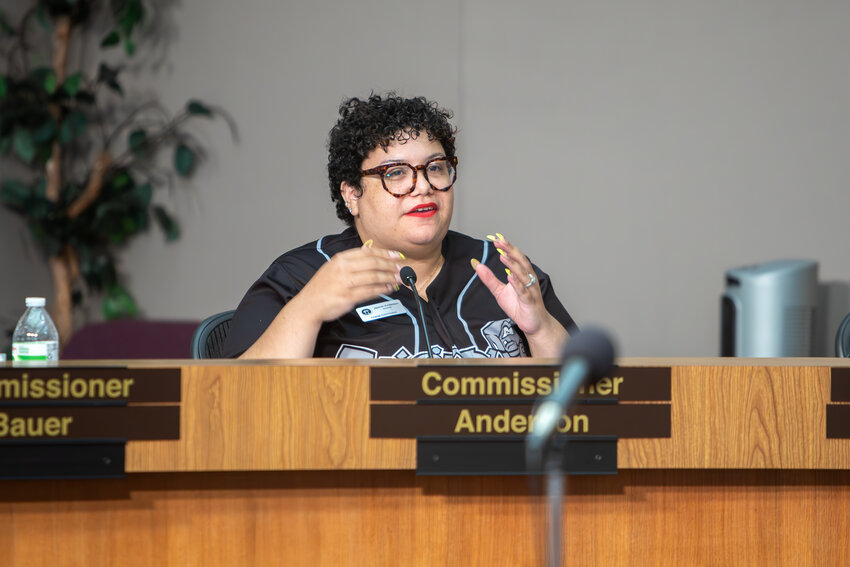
(842, 338)
(210, 335)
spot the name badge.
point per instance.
(380, 310)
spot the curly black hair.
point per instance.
(365, 125)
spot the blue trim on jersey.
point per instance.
(319, 249)
(463, 292)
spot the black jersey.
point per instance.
(462, 317)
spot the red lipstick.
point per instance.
(423, 210)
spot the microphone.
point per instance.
(409, 277)
(587, 356)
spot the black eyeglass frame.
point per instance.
(382, 169)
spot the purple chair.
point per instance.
(131, 339)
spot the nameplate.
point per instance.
(34, 385)
(624, 421)
(499, 401)
(75, 422)
(458, 382)
(839, 384)
(66, 403)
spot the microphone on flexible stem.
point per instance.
(408, 276)
(587, 356)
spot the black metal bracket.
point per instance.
(51, 459)
(505, 455)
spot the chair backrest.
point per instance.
(210, 335)
(842, 338)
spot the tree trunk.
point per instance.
(61, 268)
(61, 271)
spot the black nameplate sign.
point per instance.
(624, 421)
(839, 384)
(468, 382)
(75, 422)
(838, 414)
(48, 385)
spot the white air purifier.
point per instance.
(768, 310)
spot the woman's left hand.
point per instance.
(522, 302)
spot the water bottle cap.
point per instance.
(35, 302)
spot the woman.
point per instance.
(392, 169)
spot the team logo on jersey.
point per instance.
(502, 342)
(503, 338)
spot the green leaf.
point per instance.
(44, 77)
(50, 83)
(5, 144)
(143, 194)
(121, 179)
(41, 15)
(117, 303)
(137, 141)
(129, 46)
(14, 193)
(167, 223)
(23, 144)
(4, 86)
(72, 84)
(111, 39)
(109, 76)
(198, 108)
(73, 125)
(45, 132)
(131, 13)
(105, 73)
(40, 189)
(184, 160)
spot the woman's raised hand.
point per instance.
(522, 299)
(351, 277)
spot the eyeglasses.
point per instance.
(399, 179)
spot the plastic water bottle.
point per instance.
(35, 338)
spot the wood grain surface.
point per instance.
(275, 467)
(333, 518)
(315, 417)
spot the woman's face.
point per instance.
(414, 223)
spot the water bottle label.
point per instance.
(29, 351)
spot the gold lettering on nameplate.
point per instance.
(632, 384)
(51, 426)
(514, 423)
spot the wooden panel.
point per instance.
(779, 518)
(273, 418)
(744, 417)
(312, 416)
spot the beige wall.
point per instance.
(635, 150)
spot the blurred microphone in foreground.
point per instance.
(587, 357)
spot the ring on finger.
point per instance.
(531, 280)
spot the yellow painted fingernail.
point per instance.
(500, 236)
(395, 286)
(402, 256)
(367, 244)
(474, 263)
(500, 251)
(507, 271)
(491, 237)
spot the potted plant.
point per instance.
(88, 174)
